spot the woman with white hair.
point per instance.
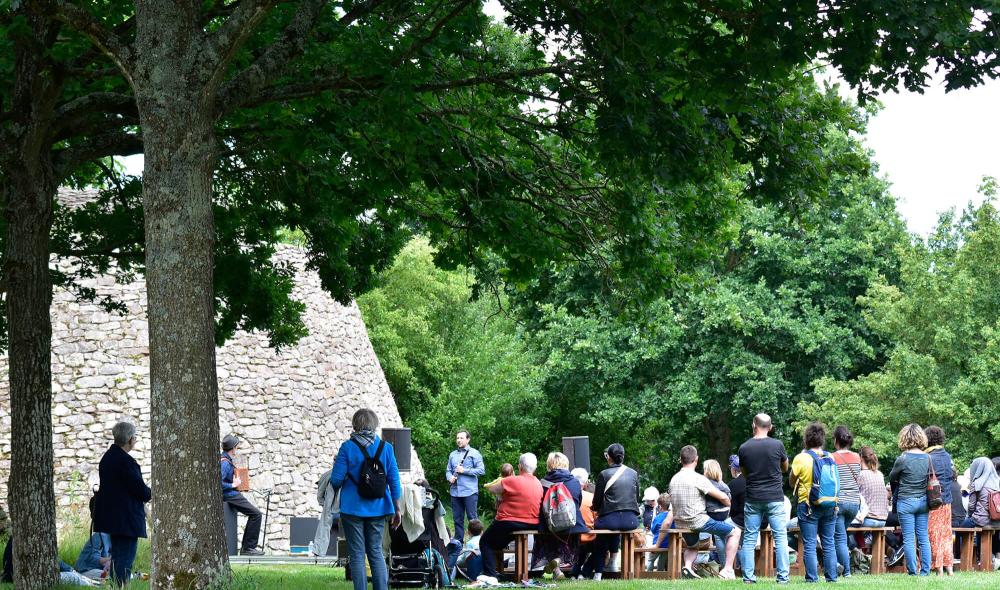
(118, 505)
(518, 511)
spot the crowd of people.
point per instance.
(833, 490)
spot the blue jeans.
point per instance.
(462, 508)
(913, 514)
(754, 514)
(845, 516)
(122, 557)
(364, 537)
(813, 522)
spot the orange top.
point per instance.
(522, 499)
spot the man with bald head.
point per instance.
(763, 462)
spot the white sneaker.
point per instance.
(580, 578)
(488, 580)
(597, 577)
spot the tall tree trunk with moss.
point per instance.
(29, 184)
(180, 151)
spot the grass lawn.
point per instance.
(294, 577)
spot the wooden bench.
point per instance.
(522, 567)
(967, 537)
(764, 565)
(878, 549)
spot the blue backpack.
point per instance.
(826, 481)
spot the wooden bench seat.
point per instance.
(522, 566)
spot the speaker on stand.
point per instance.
(400, 439)
(577, 449)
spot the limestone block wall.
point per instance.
(291, 407)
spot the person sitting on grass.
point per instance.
(688, 492)
(94, 561)
(471, 558)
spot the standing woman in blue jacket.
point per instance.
(363, 518)
(119, 510)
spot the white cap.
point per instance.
(650, 494)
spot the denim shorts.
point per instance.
(712, 527)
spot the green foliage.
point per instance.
(944, 363)
(453, 363)
(749, 332)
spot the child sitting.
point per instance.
(470, 559)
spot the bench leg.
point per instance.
(878, 552)
(767, 546)
(968, 555)
(986, 551)
(520, 558)
(800, 562)
(675, 557)
(628, 549)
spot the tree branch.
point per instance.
(245, 86)
(91, 27)
(245, 18)
(115, 143)
(344, 82)
(70, 114)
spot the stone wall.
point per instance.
(292, 408)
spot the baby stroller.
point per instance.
(419, 563)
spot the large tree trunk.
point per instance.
(29, 293)
(180, 153)
(29, 191)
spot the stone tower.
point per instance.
(292, 408)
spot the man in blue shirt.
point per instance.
(232, 496)
(465, 465)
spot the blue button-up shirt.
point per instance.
(468, 482)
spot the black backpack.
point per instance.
(373, 480)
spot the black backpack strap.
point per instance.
(364, 451)
(378, 451)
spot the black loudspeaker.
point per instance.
(301, 530)
(577, 448)
(400, 439)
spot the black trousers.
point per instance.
(251, 533)
(496, 538)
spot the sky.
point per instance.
(935, 148)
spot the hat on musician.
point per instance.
(229, 442)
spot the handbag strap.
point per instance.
(614, 478)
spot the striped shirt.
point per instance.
(873, 489)
(848, 468)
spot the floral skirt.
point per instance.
(939, 531)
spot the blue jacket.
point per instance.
(347, 470)
(98, 546)
(119, 506)
(467, 483)
(941, 461)
(573, 486)
(228, 470)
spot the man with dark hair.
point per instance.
(814, 520)
(688, 490)
(465, 465)
(762, 461)
(232, 496)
